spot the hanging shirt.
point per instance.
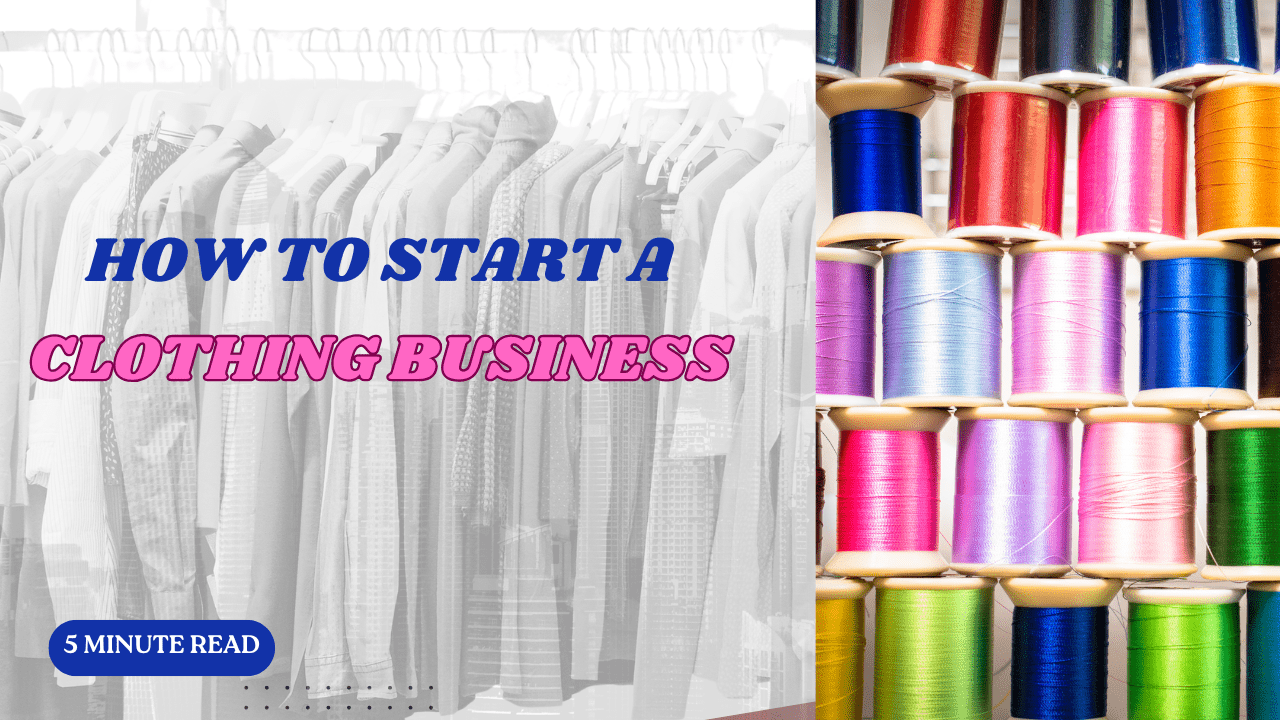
(338, 651)
(745, 594)
(530, 643)
(524, 127)
(308, 420)
(156, 419)
(612, 464)
(683, 496)
(427, 201)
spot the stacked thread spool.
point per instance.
(1061, 526)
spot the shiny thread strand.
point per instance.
(1137, 493)
(875, 162)
(1068, 323)
(1013, 493)
(1132, 167)
(839, 645)
(845, 329)
(1244, 496)
(933, 654)
(887, 491)
(1192, 320)
(1059, 666)
(941, 324)
(1184, 661)
(1008, 150)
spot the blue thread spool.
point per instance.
(1194, 41)
(1059, 667)
(1193, 320)
(941, 324)
(1262, 660)
(875, 160)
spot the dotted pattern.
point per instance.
(266, 698)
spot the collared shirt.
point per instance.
(427, 198)
(682, 502)
(524, 127)
(155, 413)
(747, 577)
(309, 417)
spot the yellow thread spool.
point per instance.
(839, 646)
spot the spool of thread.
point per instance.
(845, 356)
(1192, 325)
(933, 648)
(1059, 664)
(1237, 160)
(941, 324)
(1137, 493)
(1243, 528)
(875, 160)
(839, 644)
(1194, 41)
(944, 42)
(1074, 44)
(1184, 653)
(887, 518)
(1262, 652)
(820, 501)
(1132, 184)
(1068, 324)
(838, 37)
(1013, 492)
(1268, 328)
(1008, 143)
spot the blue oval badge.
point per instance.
(109, 648)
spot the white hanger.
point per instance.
(574, 120)
(459, 100)
(610, 115)
(491, 97)
(771, 112)
(434, 96)
(8, 103)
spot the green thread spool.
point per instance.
(839, 646)
(1184, 653)
(933, 648)
(1243, 531)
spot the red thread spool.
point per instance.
(887, 520)
(944, 42)
(1008, 145)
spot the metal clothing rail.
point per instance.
(231, 54)
(232, 41)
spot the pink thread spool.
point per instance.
(1068, 324)
(887, 522)
(1132, 162)
(1137, 493)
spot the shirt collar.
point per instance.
(751, 141)
(526, 121)
(251, 137)
(476, 127)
